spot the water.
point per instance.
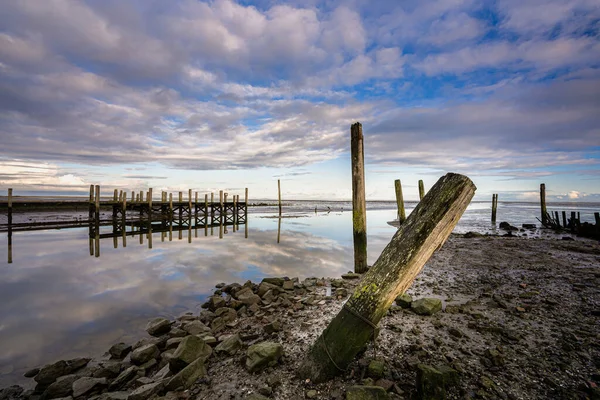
(58, 302)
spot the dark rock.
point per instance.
(108, 370)
(190, 349)
(366, 393)
(86, 386)
(144, 354)
(158, 326)
(404, 300)
(31, 373)
(529, 226)
(119, 350)
(507, 227)
(273, 327)
(351, 275)
(230, 345)
(341, 292)
(11, 392)
(256, 396)
(123, 378)
(274, 281)
(288, 285)
(51, 372)
(260, 355)
(430, 383)
(146, 391)
(188, 375)
(248, 298)
(376, 369)
(62, 387)
(264, 287)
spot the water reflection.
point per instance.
(58, 302)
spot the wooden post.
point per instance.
(91, 193)
(564, 215)
(196, 208)
(400, 202)
(115, 195)
(279, 194)
(572, 222)
(556, 217)
(10, 255)
(150, 200)
(91, 214)
(141, 196)
(206, 209)
(421, 190)
(137, 197)
(278, 229)
(425, 231)
(359, 208)
(190, 205)
(234, 212)
(246, 206)
(494, 207)
(171, 206)
(10, 194)
(132, 196)
(597, 219)
(97, 201)
(543, 203)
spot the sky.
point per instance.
(224, 95)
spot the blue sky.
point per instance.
(213, 95)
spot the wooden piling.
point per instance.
(10, 195)
(246, 205)
(150, 200)
(494, 207)
(597, 219)
(116, 192)
(91, 194)
(564, 218)
(206, 209)
(421, 190)
(279, 194)
(359, 208)
(190, 203)
(572, 222)
(170, 205)
(557, 218)
(543, 203)
(97, 201)
(141, 196)
(137, 197)
(234, 212)
(400, 202)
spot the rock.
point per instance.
(114, 396)
(158, 326)
(529, 226)
(195, 328)
(31, 373)
(274, 281)
(341, 292)
(288, 285)
(119, 350)
(376, 369)
(86, 385)
(385, 384)
(207, 316)
(228, 314)
(273, 327)
(366, 393)
(11, 392)
(146, 391)
(260, 355)
(264, 287)
(230, 345)
(144, 354)
(190, 349)
(455, 332)
(507, 227)
(248, 298)
(426, 306)
(188, 375)
(404, 300)
(430, 383)
(177, 333)
(215, 302)
(173, 343)
(62, 387)
(123, 378)
(351, 275)
(495, 357)
(471, 235)
(218, 325)
(311, 394)
(164, 373)
(108, 370)
(51, 372)
(256, 396)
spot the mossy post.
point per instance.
(494, 207)
(543, 203)
(400, 201)
(425, 230)
(359, 208)
(421, 190)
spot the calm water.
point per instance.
(57, 302)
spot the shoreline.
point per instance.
(519, 321)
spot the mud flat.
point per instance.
(506, 318)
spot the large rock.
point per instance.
(11, 392)
(432, 382)
(119, 350)
(260, 355)
(195, 328)
(264, 287)
(248, 298)
(230, 345)
(158, 326)
(62, 387)
(124, 378)
(146, 391)
(228, 314)
(86, 385)
(143, 354)
(426, 306)
(404, 300)
(189, 350)
(274, 281)
(366, 393)
(51, 372)
(187, 376)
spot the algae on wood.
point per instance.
(359, 208)
(423, 232)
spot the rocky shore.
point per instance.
(488, 317)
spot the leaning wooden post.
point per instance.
(425, 230)
(421, 190)
(494, 207)
(279, 194)
(359, 208)
(400, 202)
(543, 203)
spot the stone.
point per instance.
(123, 378)
(216, 302)
(272, 327)
(62, 387)
(426, 306)
(274, 281)
(341, 292)
(177, 333)
(86, 385)
(173, 343)
(163, 373)
(190, 349)
(218, 325)
(146, 391)
(529, 226)
(260, 355)
(404, 300)
(430, 383)
(288, 285)
(256, 396)
(51, 372)
(366, 393)
(143, 354)
(264, 287)
(471, 235)
(248, 298)
(230, 345)
(385, 384)
(195, 328)
(351, 276)
(507, 227)
(228, 314)
(31, 373)
(311, 394)
(376, 369)
(11, 392)
(119, 350)
(158, 326)
(188, 375)
(207, 316)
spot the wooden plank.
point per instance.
(425, 231)
(359, 208)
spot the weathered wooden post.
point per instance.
(425, 230)
(359, 208)
(494, 207)
(279, 195)
(597, 219)
(572, 222)
(132, 196)
(564, 218)
(141, 196)
(91, 205)
(234, 211)
(97, 201)
(246, 214)
(400, 201)
(543, 203)
(421, 190)
(124, 220)
(196, 206)
(10, 194)
(150, 200)
(205, 210)
(278, 229)
(171, 206)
